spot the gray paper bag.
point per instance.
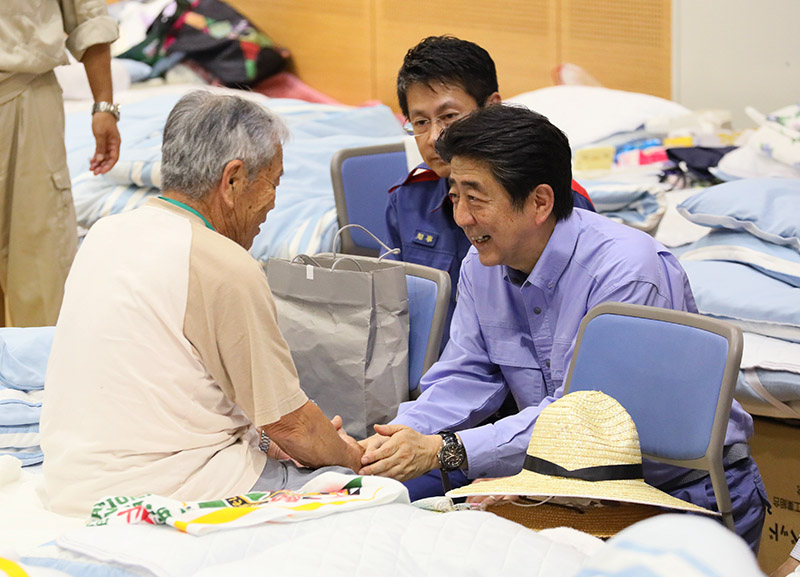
(346, 323)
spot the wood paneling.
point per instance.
(521, 36)
(625, 44)
(352, 49)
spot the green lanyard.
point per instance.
(189, 208)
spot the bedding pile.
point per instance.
(772, 150)
(747, 270)
(615, 156)
(23, 361)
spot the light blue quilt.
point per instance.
(304, 218)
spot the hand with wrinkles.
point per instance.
(401, 454)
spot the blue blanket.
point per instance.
(304, 218)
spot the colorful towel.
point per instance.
(328, 493)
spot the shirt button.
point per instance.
(537, 310)
(550, 284)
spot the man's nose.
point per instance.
(462, 215)
(435, 131)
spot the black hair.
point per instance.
(522, 149)
(449, 60)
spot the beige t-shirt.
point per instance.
(166, 352)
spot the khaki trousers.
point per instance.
(38, 231)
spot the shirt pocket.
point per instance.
(511, 349)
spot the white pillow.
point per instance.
(745, 162)
(589, 113)
(738, 293)
(75, 84)
(776, 261)
(764, 207)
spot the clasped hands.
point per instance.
(399, 452)
(395, 451)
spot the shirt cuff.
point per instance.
(480, 451)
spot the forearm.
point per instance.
(310, 438)
(97, 62)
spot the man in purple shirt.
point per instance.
(535, 269)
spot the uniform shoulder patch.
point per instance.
(425, 238)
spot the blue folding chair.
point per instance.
(674, 372)
(361, 179)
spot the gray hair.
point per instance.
(205, 131)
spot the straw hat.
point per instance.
(584, 452)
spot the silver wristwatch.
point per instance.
(264, 442)
(112, 109)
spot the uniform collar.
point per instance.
(420, 174)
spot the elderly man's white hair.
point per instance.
(205, 131)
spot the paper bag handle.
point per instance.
(379, 241)
(310, 260)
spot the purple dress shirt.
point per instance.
(512, 333)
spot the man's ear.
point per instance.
(233, 179)
(541, 200)
(494, 98)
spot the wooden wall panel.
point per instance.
(521, 36)
(331, 41)
(625, 44)
(352, 49)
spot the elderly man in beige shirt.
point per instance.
(167, 359)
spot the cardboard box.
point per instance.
(776, 449)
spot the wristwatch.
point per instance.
(112, 109)
(452, 454)
(264, 442)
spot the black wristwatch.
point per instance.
(452, 454)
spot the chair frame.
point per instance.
(442, 280)
(711, 461)
(340, 196)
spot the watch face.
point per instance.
(452, 455)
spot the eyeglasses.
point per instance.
(421, 126)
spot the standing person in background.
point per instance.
(442, 79)
(38, 230)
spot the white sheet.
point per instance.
(24, 522)
(385, 540)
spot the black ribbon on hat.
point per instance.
(599, 473)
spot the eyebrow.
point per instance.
(439, 109)
(471, 184)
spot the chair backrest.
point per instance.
(674, 372)
(361, 179)
(428, 301)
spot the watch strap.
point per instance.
(109, 107)
(264, 442)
